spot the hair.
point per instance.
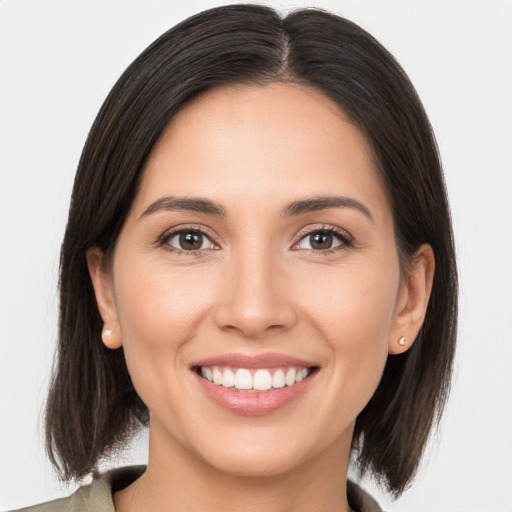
(92, 407)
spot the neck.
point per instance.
(175, 480)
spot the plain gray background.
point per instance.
(59, 59)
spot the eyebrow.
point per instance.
(193, 204)
(324, 203)
(201, 205)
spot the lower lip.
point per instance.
(250, 403)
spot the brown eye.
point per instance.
(189, 241)
(324, 240)
(321, 241)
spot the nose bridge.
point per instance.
(254, 299)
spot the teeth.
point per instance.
(217, 377)
(301, 375)
(243, 379)
(228, 379)
(278, 380)
(257, 380)
(290, 377)
(262, 380)
(207, 374)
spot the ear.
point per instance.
(104, 290)
(412, 302)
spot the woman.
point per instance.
(259, 263)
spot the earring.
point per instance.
(402, 341)
(110, 339)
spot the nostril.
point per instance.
(254, 307)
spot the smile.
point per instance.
(254, 380)
(251, 385)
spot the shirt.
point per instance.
(97, 496)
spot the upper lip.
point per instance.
(267, 360)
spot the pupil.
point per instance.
(321, 241)
(191, 241)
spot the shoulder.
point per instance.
(360, 500)
(96, 496)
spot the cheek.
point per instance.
(353, 303)
(161, 303)
(354, 311)
(158, 311)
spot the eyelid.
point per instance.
(203, 230)
(346, 238)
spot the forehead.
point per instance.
(276, 142)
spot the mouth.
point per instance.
(254, 385)
(255, 380)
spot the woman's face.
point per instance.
(259, 248)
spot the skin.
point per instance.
(257, 287)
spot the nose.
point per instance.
(256, 299)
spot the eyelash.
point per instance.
(343, 236)
(164, 239)
(345, 239)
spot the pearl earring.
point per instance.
(402, 341)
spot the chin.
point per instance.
(257, 464)
(269, 451)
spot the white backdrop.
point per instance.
(58, 60)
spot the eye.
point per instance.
(323, 240)
(188, 240)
